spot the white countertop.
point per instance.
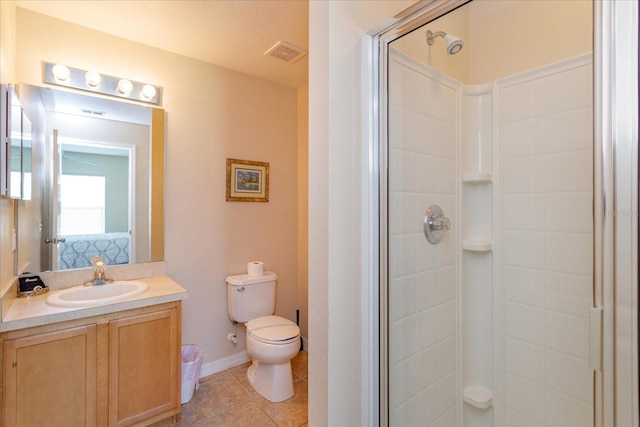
(34, 311)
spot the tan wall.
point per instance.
(508, 37)
(502, 38)
(212, 113)
(7, 41)
(415, 45)
(303, 208)
(7, 75)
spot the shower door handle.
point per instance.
(435, 223)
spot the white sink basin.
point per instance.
(86, 296)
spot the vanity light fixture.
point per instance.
(62, 75)
(92, 79)
(124, 87)
(147, 92)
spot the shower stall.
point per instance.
(493, 219)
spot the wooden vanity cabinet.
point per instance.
(118, 369)
(144, 366)
(50, 379)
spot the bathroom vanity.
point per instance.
(110, 365)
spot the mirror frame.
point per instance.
(157, 183)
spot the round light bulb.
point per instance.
(61, 73)
(93, 79)
(125, 87)
(148, 92)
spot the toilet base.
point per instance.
(274, 382)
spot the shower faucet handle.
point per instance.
(435, 223)
(440, 224)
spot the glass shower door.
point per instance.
(490, 326)
(422, 275)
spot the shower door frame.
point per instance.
(405, 22)
(616, 209)
(614, 36)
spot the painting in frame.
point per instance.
(247, 181)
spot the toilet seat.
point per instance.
(273, 330)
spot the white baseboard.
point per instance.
(234, 360)
(225, 363)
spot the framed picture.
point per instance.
(247, 181)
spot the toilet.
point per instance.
(272, 341)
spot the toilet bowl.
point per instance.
(272, 341)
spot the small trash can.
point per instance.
(191, 361)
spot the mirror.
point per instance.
(15, 148)
(99, 179)
(16, 178)
(25, 172)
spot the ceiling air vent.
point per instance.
(93, 112)
(286, 51)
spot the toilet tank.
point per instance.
(250, 297)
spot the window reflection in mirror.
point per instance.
(96, 205)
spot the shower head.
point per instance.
(454, 44)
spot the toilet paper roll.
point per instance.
(255, 268)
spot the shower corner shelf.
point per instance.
(477, 178)
(478, 397)
(477, 245)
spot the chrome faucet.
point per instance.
(99, 272)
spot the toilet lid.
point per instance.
(273, 330)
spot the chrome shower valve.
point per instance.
(435, 223)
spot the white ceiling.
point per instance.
(233, 34)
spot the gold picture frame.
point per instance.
(247, 181)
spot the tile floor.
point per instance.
(227, 399)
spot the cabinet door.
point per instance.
(50, 379)
(144, 367)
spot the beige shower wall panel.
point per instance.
(509, 37)
(545, 145)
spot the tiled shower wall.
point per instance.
(543, 241)
(545, 140)
(422, 276)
